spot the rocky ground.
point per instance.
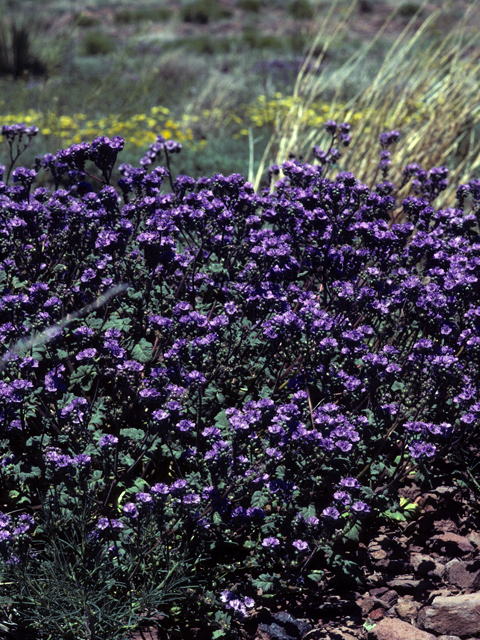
(422, 583)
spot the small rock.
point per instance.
(367, 604)
(404, 583)
(407, 609)
(438, 592)
(329, 634)
(388, 598)
(394, 629)
(380, 548)
(446, 526)
(426, 566)
(452, 615)
(465, 575)
(292, 625)
(448, 638)
(474, 538)
(451, 545)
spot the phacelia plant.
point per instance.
(207, 390)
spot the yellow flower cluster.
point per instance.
(139, 130)
(280, 108)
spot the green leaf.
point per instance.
(264, 582)
(354, 532)
(316, 576)
(395, 515)
(142, 352)
(136, 435)
(221, 419)
(259, 500)
(83, 376)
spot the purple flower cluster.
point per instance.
(264, 349)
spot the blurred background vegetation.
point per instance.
(243, 83)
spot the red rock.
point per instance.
(452, 615)
(426, 566)
(451, 544)
(465, 575)
(407, 608)
(446, 526)
(474, 538)
(394, 629)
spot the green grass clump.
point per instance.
(97, 43)
(204, 11)
(139, 14)
(301, 10)
(86, 20)
(253, 6)
(409, 9)
(17, 57)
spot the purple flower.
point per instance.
(21, 529)
(342, 496)
(195, 378)
(178, 485)
(108, 440)
(301, 545)
(25, 176)
(106, 523)
(144, 498)
(270, 542)
(87, 275)
(130, 509)
(160, 489)
(352, 483)
(86, 354)
(160, 415)
(331, 512)
(360, 506)
(60, 460)
(185, 425)
(53, 379)
(4, 520)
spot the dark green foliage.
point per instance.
(253, 6)
(16, 56)
(141, 13)
(409, 9)
(97, 43)
(204, 11)
(301, 10)
(86, 20)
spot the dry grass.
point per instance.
(429, 93)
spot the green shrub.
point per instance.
(16, 56)
(409, 9)
(155, 14)
(301, 10)
(97, 43)
(204, 11)
(256, 40)
(250, 5)
(86, 20)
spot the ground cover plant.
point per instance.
(212, 385)
(208, 391)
